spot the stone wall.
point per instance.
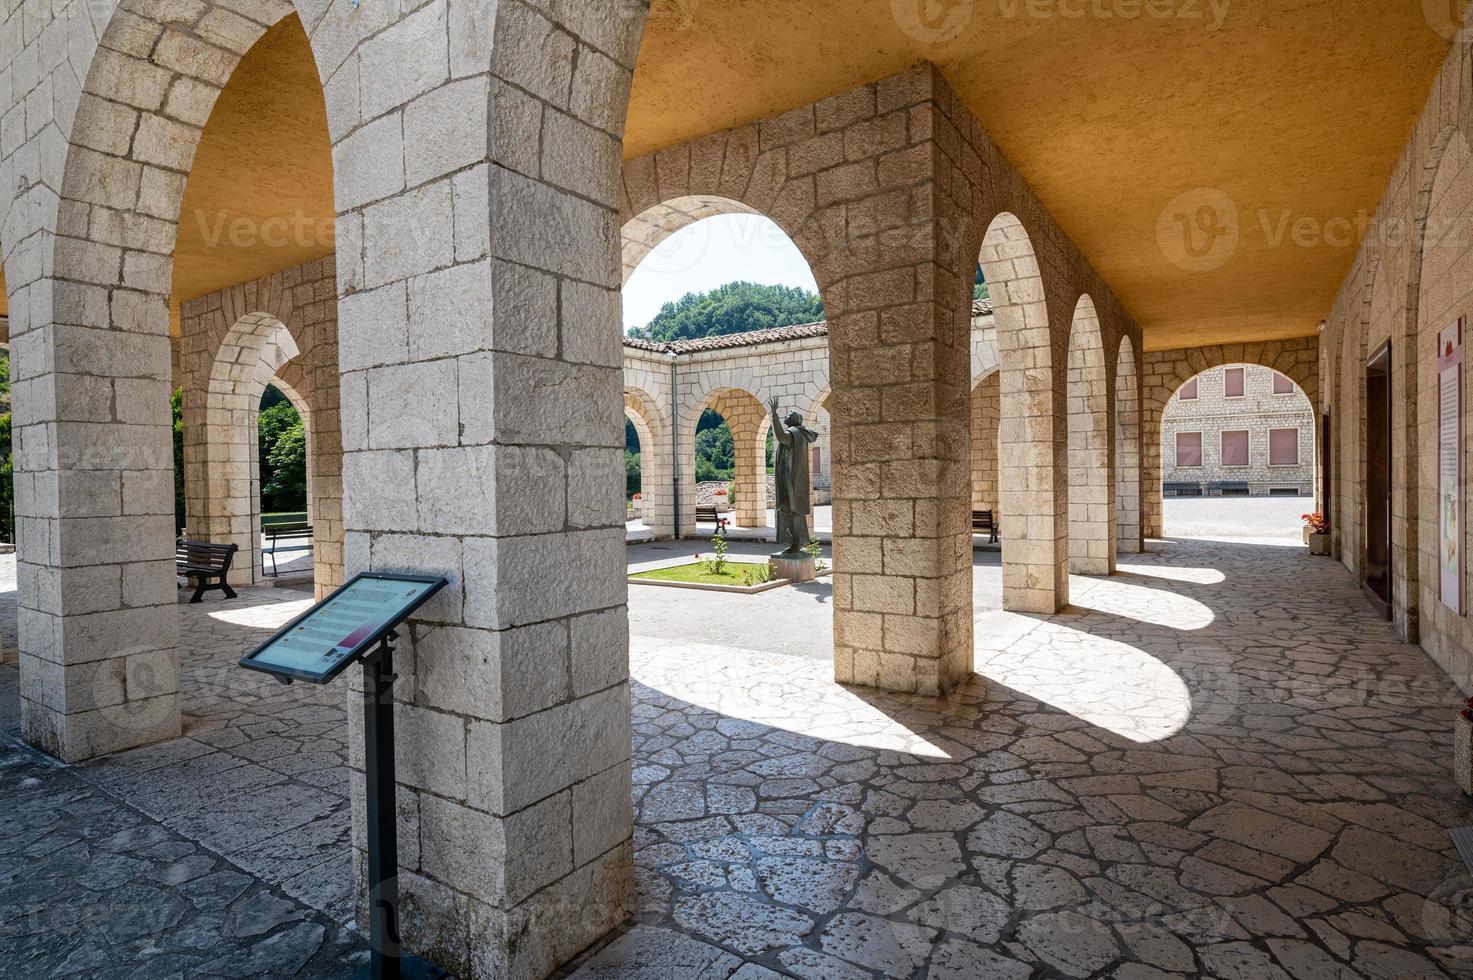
(1257, 412)
(1409, 280)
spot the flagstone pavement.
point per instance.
(1217, 763)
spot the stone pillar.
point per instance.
(1127, 452)
(1091, 489)
(900, 363)
(749, 446)
(94, 487)
(482, 438)
(657, 501)
(985, 404)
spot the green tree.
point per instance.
(282, 454)
(631, 474)
(733, 308)
(715, 454)
(287, 488)
(979, 285)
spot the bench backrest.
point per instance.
(205, 554)
(982, 519)
(289, 531)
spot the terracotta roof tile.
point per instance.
(751, 338)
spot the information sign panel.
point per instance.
(1450, 514)
(340, 629)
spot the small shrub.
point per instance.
(814, 549)
(716, 565)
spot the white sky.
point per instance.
(710, 253)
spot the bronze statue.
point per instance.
(791, 486)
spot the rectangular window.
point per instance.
(1235, 448)
(1232, 383)
(817, 460)
(1282, 385)
(1189, 449)
(1283, 447)
(1188, 391)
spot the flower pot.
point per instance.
(1319, 544)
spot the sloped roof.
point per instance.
(752, 338)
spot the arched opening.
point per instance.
(714, 283)
(1238, 451)
(725, 438)
(1128, 538)
(647, 465)
(221, 439)
(1091, 490)
(136, 136)
(285, 476)
(1036, 526)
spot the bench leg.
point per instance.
(229, 592)
(199, 591)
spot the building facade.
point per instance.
(1239, 424)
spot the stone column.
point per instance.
(1091, 489)
(1127, 453)
(482, 438)
(94, 487)
(986, 399)
(749, 446)
(900, 363)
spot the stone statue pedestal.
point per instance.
(801, 569)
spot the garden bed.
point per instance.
(696, 575)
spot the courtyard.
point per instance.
(1189, 772)
(492, 312)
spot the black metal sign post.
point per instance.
(383, 834)
(357, 623)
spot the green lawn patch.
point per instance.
(284, 518)
(695, 572)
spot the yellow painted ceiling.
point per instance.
(1278, 106)
(1282, 118)
(259, 197)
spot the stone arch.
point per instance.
(643, 233)
(656, 490)
(1032, 492)
(1127, 453)
(1166, 371)
(745, 416)
(97, 231)
(1091, 492)
(223, 500)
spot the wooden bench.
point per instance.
(1228, 488)
(983, 522)
(284, 532)
(1181, 489)
(204, 562)
(709, 514)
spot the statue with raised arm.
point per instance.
(791, 488)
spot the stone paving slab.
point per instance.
(1190, 772)
(1193, 771)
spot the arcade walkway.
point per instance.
(1217, 762)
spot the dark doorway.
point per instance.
(1378, 481)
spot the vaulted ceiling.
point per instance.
(1128, 117)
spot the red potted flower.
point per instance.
(1317, 533)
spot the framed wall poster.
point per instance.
(1450, 507)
